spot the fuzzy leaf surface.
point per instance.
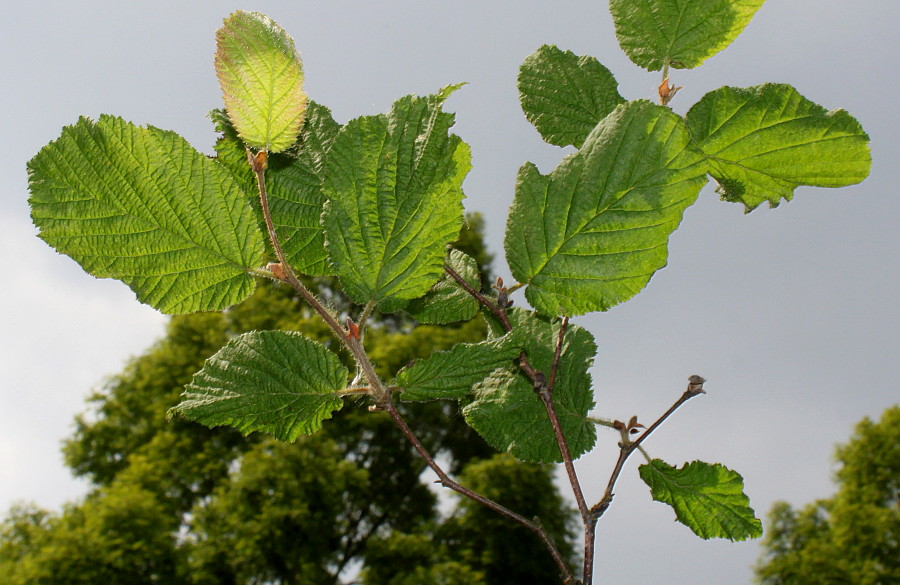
(394, 189)
(261, 77)
(294, 188)
(592, 233)
(511, 417)
(447, 301)
(142, 206)
(452, 374)
(765, 141)
(276, 382)
(683, 33)
(565, 95)
(707, 498)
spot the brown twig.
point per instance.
(695, 387)
(258, 163)
(446, 481)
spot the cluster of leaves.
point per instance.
(375, 202)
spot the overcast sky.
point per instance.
(791, 314)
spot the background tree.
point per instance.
(852, 538)
(175, 502)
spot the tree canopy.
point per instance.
(175, 502)
(853, 537)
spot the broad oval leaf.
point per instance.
(447, 301)
(452, 374)
(261, 77)
(294, 187)
(765, 141)
(708, 499)
(394, 189)
(276, 382)
(510, 415)
(565, 95)
(682, 33)
(592, 233)
(140, 205)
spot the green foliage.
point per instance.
(763, 142)
(273, 381)
(375, 203)
(592, 233)
(510, 415)
(262, 81)
(452, 374)
(565, 95)
(140, 205)
(658, 33)
(708, 499)
(394, 200)
(852, 538)
(447, 301)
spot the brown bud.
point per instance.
(277, 270)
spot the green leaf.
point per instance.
(261, 77)
(452, 374)
(682, 33)
(447, 301)
(394, 189)
(765, 141)
(708, 499)
(565, 95)
(510, 415)
(294, 186)
(142, 206)
(592, 233)
(277, 382)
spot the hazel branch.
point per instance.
(626, 448)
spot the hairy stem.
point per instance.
(446, 481)
(353, 344)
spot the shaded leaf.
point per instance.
(680, 32)
(765, 141)
(140, 205)
(261, 77)
(447, 301)
(707, 498)
(452, 374)
(592, 233)
(394, 189)
(277, 382)
(565, 95)
(510, 415)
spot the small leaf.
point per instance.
(510, 415)
(394, 188)
(708, 499)
(294, 186)
(447, 301)
(592, 233)
(452, 374)
(765, 141)
(142, 206)
(565, 95)
(261, 77)
(276, 382)
(683, 33)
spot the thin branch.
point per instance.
(695, 387)
(498, 312)
(258, 165)
(446, 481)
